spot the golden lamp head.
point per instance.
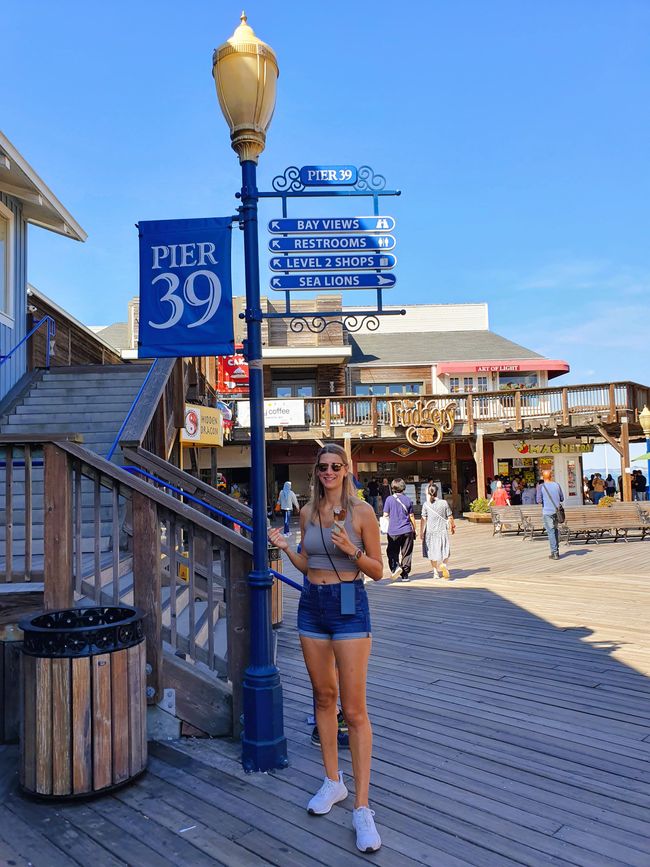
(245, 71)
(644, 421)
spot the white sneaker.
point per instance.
(330, 793)
(368, 839)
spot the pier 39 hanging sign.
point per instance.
(185, 288)
(425, 421)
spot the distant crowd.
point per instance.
(595, 487)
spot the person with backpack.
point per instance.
(551, 497)
(398, 508)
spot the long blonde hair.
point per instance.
(348, 494)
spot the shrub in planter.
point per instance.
(480, 504)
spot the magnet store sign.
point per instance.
(558, 448)
(426, 423)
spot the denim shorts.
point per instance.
(319, 612)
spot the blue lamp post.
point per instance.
(245, 71)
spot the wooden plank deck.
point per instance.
(511, 716)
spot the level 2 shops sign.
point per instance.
(425, 421)
(554, 448)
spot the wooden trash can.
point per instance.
(84, 707)
(275, 562)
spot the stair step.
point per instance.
(44, 423)
(80, 414)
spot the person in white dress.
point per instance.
(436, 524)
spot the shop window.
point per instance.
(482, 383)
(454, 384)
(6, 265)
(468, 384)
(299, 388)
(509, 381)
(383, 388)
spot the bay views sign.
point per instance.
(426, 423)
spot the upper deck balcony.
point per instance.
(580, 408)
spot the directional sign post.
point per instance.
(323, 225)
(309, 282)
(338, 262)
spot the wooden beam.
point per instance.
(347, 445)
(614, 443)
(626, 485)
(59, 587)
(612, 403)
(201, 700)
(518, 410)
(146, 587)
(21, 193)
(479, 459)
(455, 493)
(565, 407)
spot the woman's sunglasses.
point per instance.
(323, 468)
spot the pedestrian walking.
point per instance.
(384, 492)
(639, 486)
(398, 508)
(436, 523)
(550, 495)
(339, 542)
(287, 501)
(373, 495)
(499, 496)
(610, 485)
(597, 488)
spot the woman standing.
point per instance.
(339, 541)
(499, 496)
(436, 522)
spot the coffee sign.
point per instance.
(426, 423)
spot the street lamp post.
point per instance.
(644, 421)
(245, 71)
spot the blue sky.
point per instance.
(518, 132)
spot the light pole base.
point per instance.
(264, 746)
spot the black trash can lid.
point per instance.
(82, 631)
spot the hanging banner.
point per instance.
(232, 374)
(185, 288)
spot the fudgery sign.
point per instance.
(426, 423)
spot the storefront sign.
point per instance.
(558, 448)
(403, 451)
(497, 368)
(203, 426)
(232, 374)
(425, 422)
(284, 413)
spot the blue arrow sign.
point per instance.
(338, 262)
(307, 282)
(333, 242)
(322, 225)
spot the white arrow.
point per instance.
(275, 282)
(276, 262)
(383, 280)
(275, 224)
(275, 244)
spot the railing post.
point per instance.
(470, 413)
(146, 587)
(238, 627)
(57, 561)
(565, 406)
(373, 416)
(518, 410)
(455, 493)
(626, 481)
(612, 403)
(327, 417)
(480, 464)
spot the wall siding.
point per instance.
(12, 370)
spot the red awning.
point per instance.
(507, 365)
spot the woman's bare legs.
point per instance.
(320, 662)
(352, 660)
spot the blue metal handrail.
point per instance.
(204, 505)
(116, 441)
(51, 332)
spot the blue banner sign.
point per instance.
(341, 262)
(333, 242)
(322, 225)
(185, 288)
(328, 176)
(307, 282)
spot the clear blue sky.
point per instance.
(518, 132)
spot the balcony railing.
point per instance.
(605, 402)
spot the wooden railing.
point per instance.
(109, 537)
(159, 413)
(554, 405)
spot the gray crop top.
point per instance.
(312, 545)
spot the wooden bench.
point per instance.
(533, 522)
(506, 519)
(595, 521)
(628, 517)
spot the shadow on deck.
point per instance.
(511, 727)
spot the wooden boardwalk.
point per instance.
(512, 726)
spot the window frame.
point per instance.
(7, 286)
